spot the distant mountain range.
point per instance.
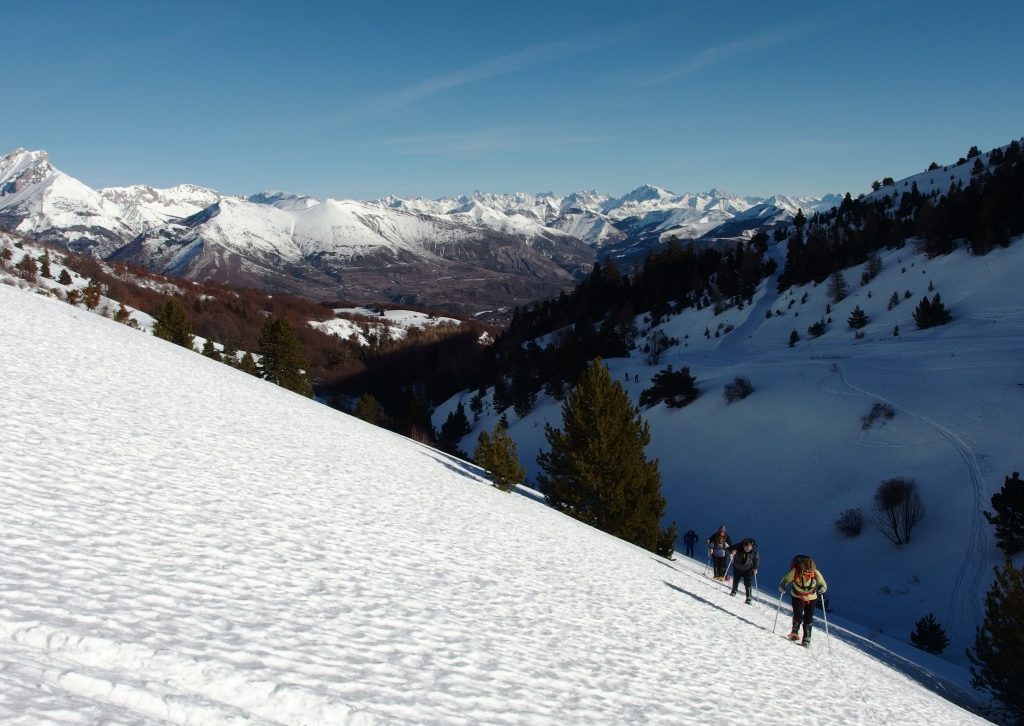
(468, 255)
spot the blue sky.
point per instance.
(342, 99)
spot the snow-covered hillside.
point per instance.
(783, 464)
(185, 543)
(356, 323)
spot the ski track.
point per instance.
(963, 610)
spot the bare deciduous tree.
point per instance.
(898, 507)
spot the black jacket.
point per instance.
(744, 561)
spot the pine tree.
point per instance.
(247, 364)
(596, 470)
(894, 300)
(837, 287)
(453, 429)
(858, 318)
(997, 663)
(44, 264)
(27, 269)
(281, 358)
(794, 338)
(93, 294)
(172, 323)
(929, 635)
(1008, 519)
(929, 314)
(210, 351)
(369, 409)
(497, 454)
(123, 316)
(64, 278)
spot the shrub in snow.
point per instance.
(739, 389)
(879, 412)
(898, 508)
(850, 523)
(675, 388)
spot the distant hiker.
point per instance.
(807, 583)
(718, 544)
(690, 539)
(745, 562)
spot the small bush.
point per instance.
(675, 388)
(879, 412)
(739, 389)
(850, 523)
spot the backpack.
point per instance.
(800, 584)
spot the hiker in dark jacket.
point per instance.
(690, 539)
(718, 543)
(745, 562)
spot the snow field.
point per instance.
(184, 543)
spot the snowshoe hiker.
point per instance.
(807, 583)
(718, 543)
(745, 562)
(690, 539)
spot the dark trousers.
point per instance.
(721, 564)
(803, 612)
(689, 548)
(746, 576)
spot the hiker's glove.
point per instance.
(782, 588)
(819, 589)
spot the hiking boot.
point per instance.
(794, 636)
(747, 601)
(806, 642)
(732, 594)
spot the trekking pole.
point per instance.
(777, 611)
(707, 564)
(755, 583)
(727, 568)
(824, 615)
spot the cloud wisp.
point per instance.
(487, 141)
(774, 36)
(528, 57)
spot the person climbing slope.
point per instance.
(807, 583)
(718, 543)
(745, 562)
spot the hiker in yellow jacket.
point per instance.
(807, 583)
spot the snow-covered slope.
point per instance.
(36, 199)
(184, 543)
(783, 464)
